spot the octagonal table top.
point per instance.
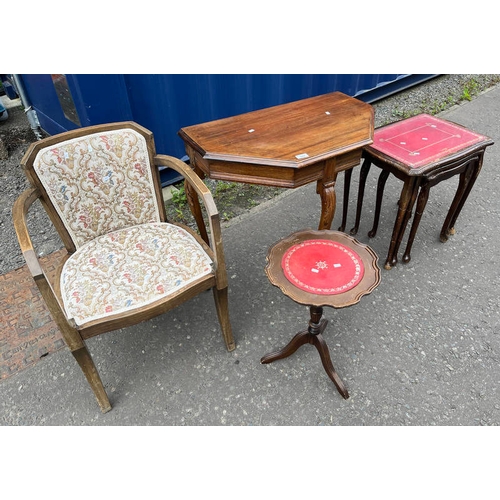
(293, 134)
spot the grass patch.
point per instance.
(231, 198)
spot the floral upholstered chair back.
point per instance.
(99, 183)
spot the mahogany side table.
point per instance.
(287, 146)
(320, 268)
(421, 151)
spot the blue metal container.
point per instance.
(166, 103)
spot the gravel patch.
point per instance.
(432, 97)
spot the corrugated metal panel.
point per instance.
(166, 103)
(387, 88)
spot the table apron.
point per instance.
(276, 176)
(454, 168)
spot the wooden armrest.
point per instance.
(213, 215)
(193, 179)
(19, 212)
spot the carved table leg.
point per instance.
(325, 187)
(363, 174)
(328, 201)
(467, 180)
(382, 179)
(319, 342)
(422, 201)
(345, 204)
(406, 202)
(298, 340)
(313, 335)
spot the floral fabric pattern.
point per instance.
(130, 268)
(99, 183)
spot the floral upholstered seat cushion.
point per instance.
(130, 268)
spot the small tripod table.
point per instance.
(320, 268)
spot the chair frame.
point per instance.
(75, 336)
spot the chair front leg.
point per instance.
(222, 306)
(89, 369)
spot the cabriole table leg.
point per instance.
(466, 182)
(406, 202)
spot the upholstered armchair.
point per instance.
(124, 263)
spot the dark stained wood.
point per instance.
(313, 335)
(48, 284)
(317, 324)
(368, 283)
(281, 134)
(289, 145)
(466, 162)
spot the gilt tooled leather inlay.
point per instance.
(322, 267)
(422, 140)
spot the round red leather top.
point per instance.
(322, 267)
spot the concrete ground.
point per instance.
(422, 350)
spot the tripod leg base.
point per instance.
(300, 339)
(320, 344)
(317, 340)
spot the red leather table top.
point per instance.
(323, 267)
(423, 140)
